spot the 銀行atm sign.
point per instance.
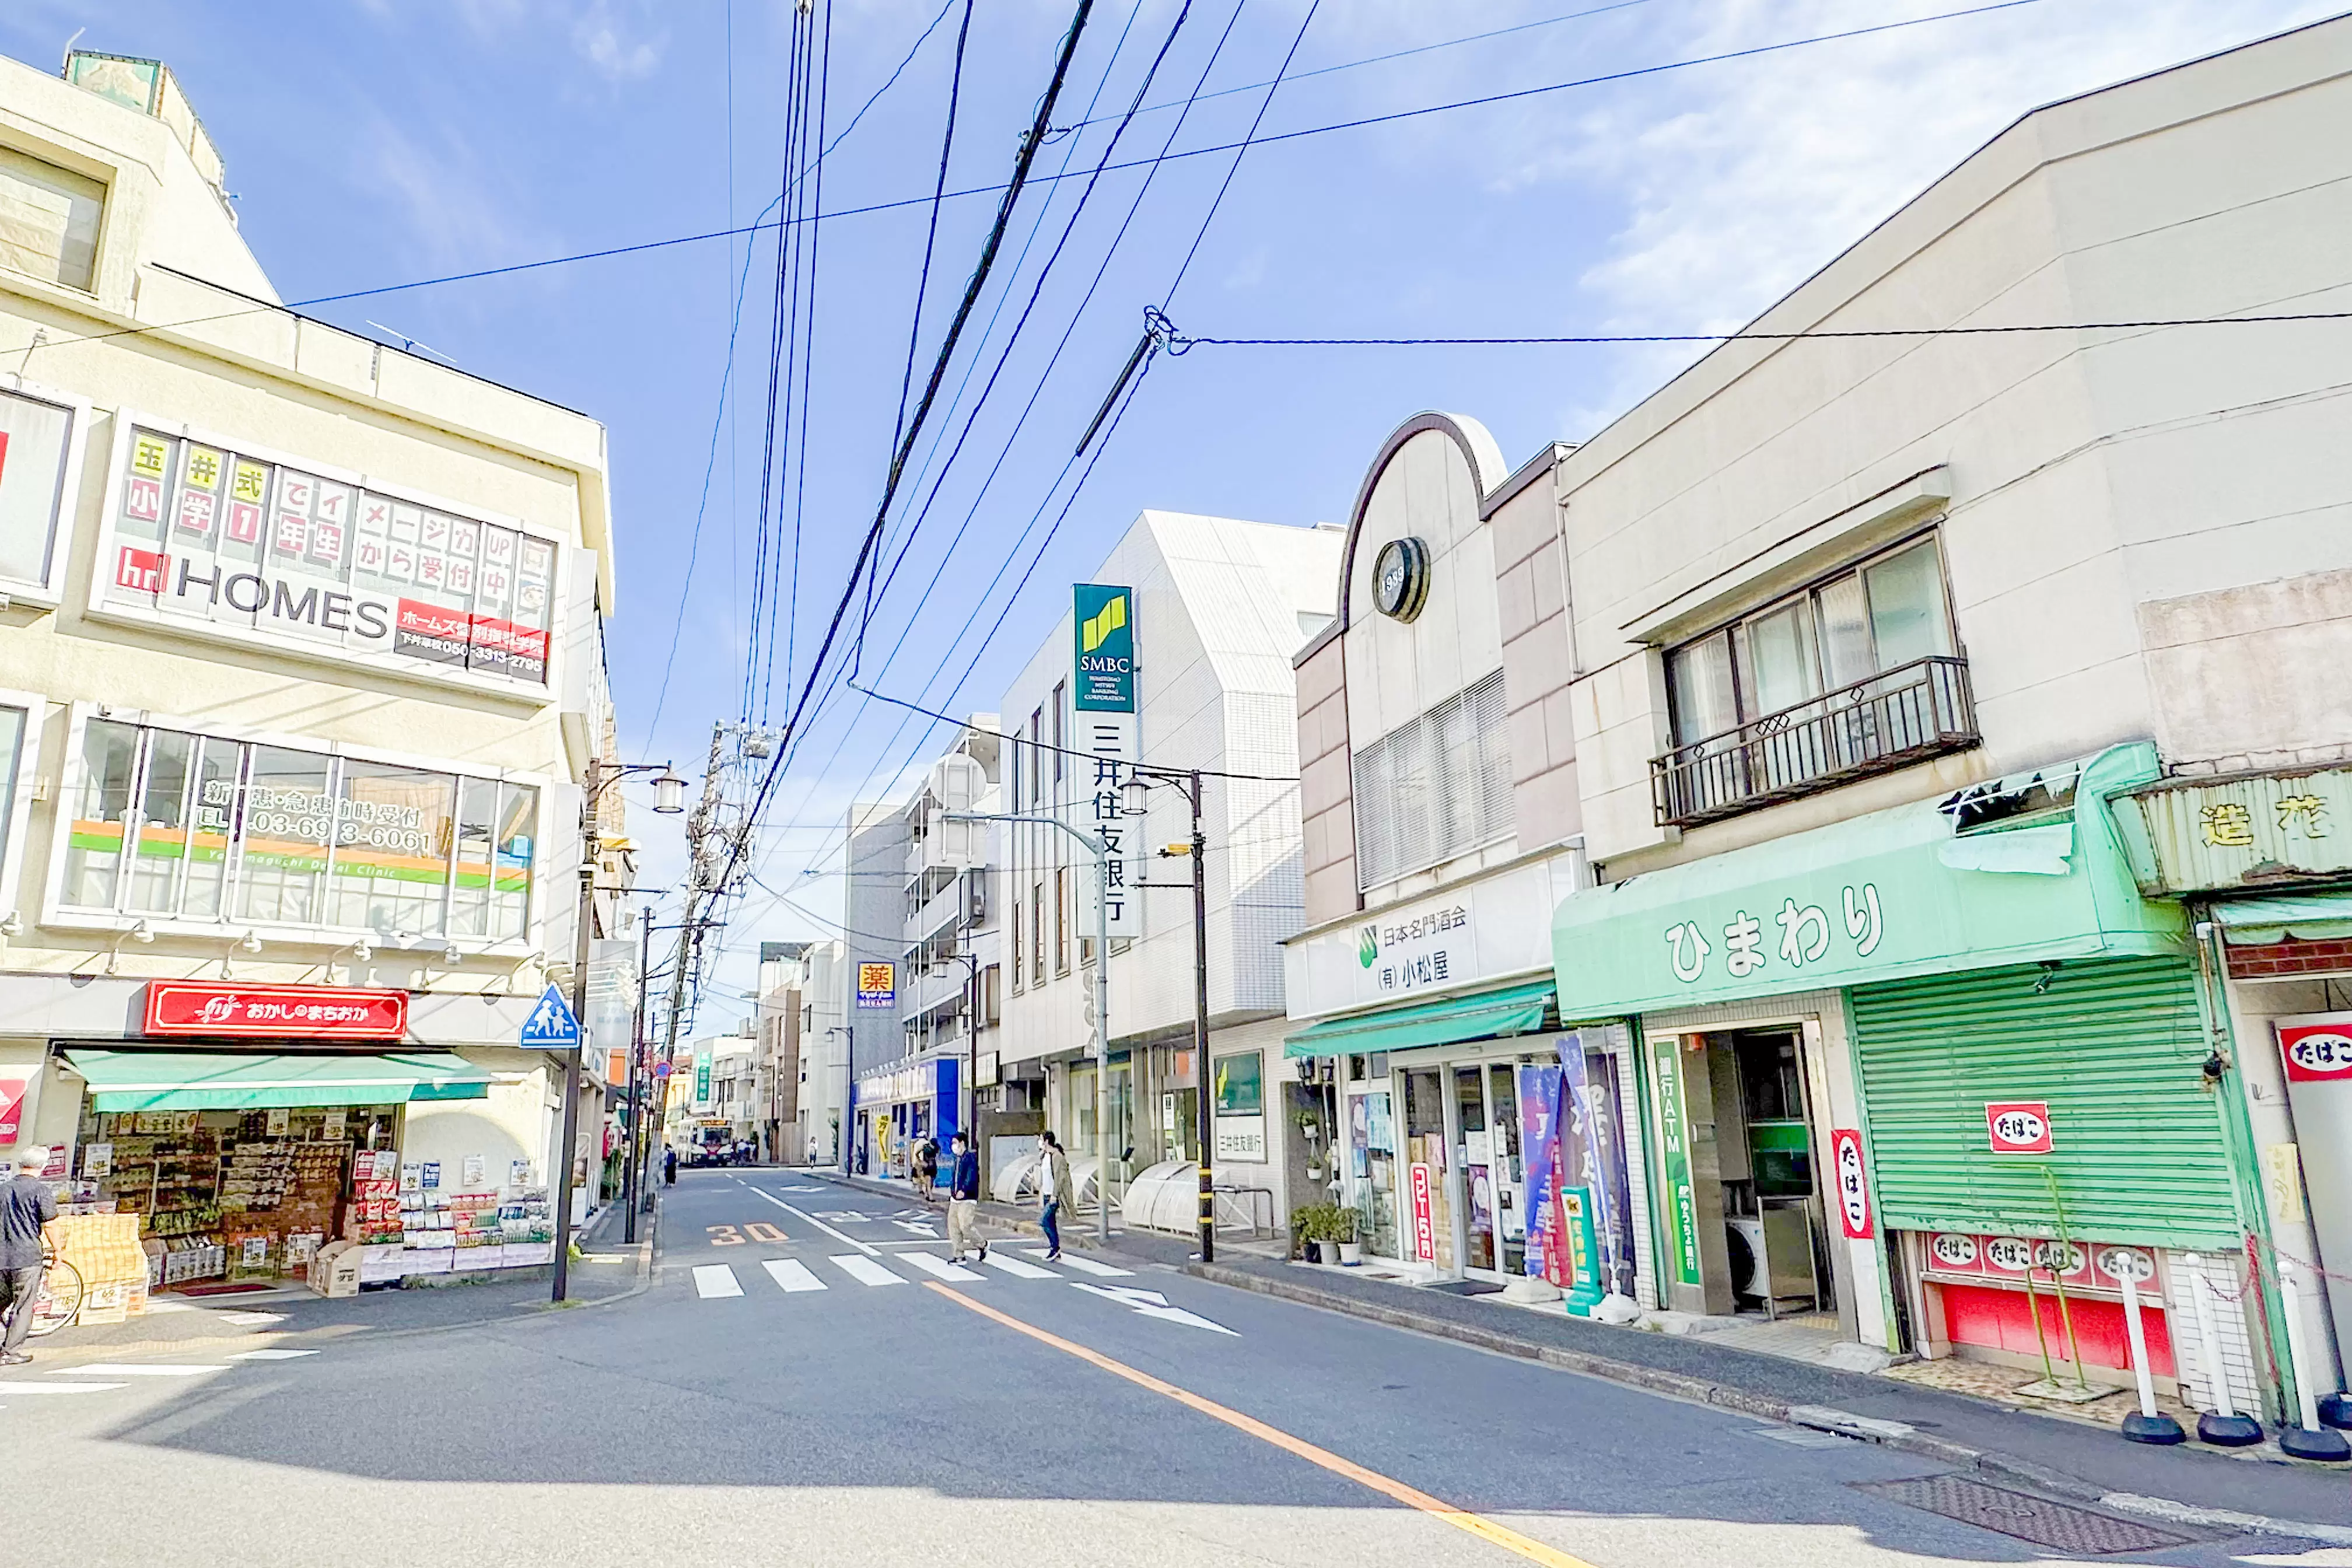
(2019, 1126)
(276, 1012)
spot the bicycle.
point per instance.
(59, 1301)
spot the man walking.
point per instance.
(926, 1166)
(669, 1166)
(1053, 1191)
(963, 1199)
(25, 1205)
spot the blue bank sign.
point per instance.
(1105, 619)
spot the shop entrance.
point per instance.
(1491, 1179)
(1772, 1222)
(1373, 1169)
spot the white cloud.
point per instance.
(454, 211)
(612, 43)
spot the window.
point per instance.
(1851, 629)
(1061, 919)
(35, 437)
(1036, 933)
(1435, 787)
(1036, 771)
(228, 831)
(1855, 674)
(1061, 736)
(48, 220)
(13, 724)
(1018, 973)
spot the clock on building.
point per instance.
(1400, 578)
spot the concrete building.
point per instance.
(781, 1134)
(1216, 609)
(874, 915)
(812, 974)
(1940, 715)
(302, 647)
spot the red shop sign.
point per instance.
(1424, 1225)
(276, 1012)
(12, 1107)
(1853, 1190)
(2019, 1126)
(2317, 1053)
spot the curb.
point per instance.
(1893, 1434)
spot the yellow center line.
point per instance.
(1485, 1529)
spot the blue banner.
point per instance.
(1594, 1156)
(1540, 1147)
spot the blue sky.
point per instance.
(374, 142)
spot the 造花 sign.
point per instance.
(2317, 1053)
(2019, 1126)
(314, 1012)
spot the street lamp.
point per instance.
(1102, 852)
(669, 791)
(1135, 800)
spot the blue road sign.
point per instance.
(551, 1026)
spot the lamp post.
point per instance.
(1135, 801)
(1102, 852)
(670, 798)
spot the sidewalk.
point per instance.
(607, 1270)
(2070, 1458)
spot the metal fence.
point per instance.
(1915, 711)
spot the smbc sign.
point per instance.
(1104, 618)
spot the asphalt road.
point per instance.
(795, 1387)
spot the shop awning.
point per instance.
(190, 1081)
(2311, 917)
(1519, 1010)
(1888, 896)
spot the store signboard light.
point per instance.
(226, 543)
(185, 1008)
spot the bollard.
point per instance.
(2223, 1425)
(2148, 1423)
(2310, 1440)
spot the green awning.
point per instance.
(1516, 1011)
(191, 1080)
(2312, 917)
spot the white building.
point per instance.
(302, 664)
(1218, 608)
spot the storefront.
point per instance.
(900, 1107)
(242, 1136)
(1472, 1129)
(1934, 1066)
(2265, 861)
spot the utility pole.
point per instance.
(1204, 1108)
(635, 1164)
(698, 827)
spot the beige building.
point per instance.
(1937, 710)
(301, 650)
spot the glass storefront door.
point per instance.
(1510, 1172)
(1429, 1197)
(1475, 1152)
(1372, 1171)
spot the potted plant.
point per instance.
(1310, 1131)
(1351, 1251)
(1304, 1223)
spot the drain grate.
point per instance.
(2060, 1526)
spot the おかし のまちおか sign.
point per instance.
(185, 1007)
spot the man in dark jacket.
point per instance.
(25, 1205)
(963, 1201)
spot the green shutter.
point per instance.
(2116, 1048)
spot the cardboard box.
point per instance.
(335, 1270)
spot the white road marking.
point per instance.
(793, 1274)
(139, 1368)
(16, 1388)
(269, 1355)
(939, 1267)
(1014, 1267)
(1151, 1304)
(1088, 1265)
(165, 1304)
(252, 1319)
(866, 1271)
(715, 1280)
(922, 1227)
(845, 1241)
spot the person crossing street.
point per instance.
(1054, 1191)
(25, 1205)
(963, 1199)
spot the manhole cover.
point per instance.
(2060, 1526)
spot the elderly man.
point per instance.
(25, 1205)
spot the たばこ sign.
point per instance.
(2019, 1126)
(2317, 1053)
(1853, 1190)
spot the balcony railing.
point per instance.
(1913, 711)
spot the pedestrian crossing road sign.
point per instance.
(551, 1026)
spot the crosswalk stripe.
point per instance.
(269, 1355)
(16, 1388)
(715, 1280)
(865, 1270)
(793, 1274)
(1088, 1265)
(139, 1368)
(939, 1268)
(1014, 1267)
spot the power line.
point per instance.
(1218, 200)
(1072, 751)
(640, 247)
(1179, 344)
(1392, 54)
